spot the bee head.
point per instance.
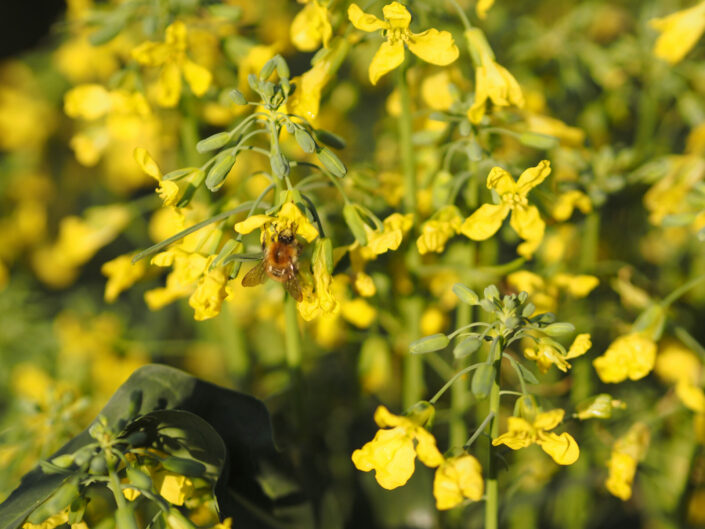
(286, 236)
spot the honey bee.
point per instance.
(280, 263)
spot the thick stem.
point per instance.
(491, 484)
(406, 148)
(412, 386)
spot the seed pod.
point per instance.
(427, 344)
(482, 381)
(465, 294)
(221, 168)
(305, 141)
(138, 478)
(559, 329)
(237, 97)
(331, 162)
(57, 502)
(467, 347)
(280, 165)
(355, 223)
(211, 143)
(185, 467)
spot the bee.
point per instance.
(280, 263)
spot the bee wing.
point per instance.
(293, 287)
(255, 276)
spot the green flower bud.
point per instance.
(330, 139)
(465, 294)
(211, 143)
(468, 346)
(138, 478)
(482, 381)
(355, 223)
(237, 97)
(63, 461)
(331, 162)
(538, 141)
(305, 140)
(221, 168)
(559, 329)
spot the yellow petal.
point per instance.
(175, 35)
(691, 396)
(484, 222)
(501, 181)
(391, 454)
(386, 419)
(250, 224)
(679, 32)
(147, 163)
(622, 468)
(520, 435)
(436, 47)
(457, 478)
(151, 53)
(562, 448)
(426, 448)
(388, 57)
(364, 21)
(526, 281)
(397, 15)
(580, 346)
(88, 101)
(169, 85)
(577, 286)
(549, 420)
(482, 7)
(533, 176)
(197, 77)
(528, 224)
(310, 27)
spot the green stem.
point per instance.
(293, 339)
(412, 386)
(459, 391)
(491, 484)
(406, 148)
(450, 382)
(673, 296)
(478, 431)
(590, 242)
(461, 14)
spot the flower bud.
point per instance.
(427, 344)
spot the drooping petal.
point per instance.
(580, 346)
(533, 176)
(426, 448)
(147, 163)
(197, 77)
(484, 222)
(679, 32)
(364, 21)
(457, 478)
(391, 454)
(169, 85)
(388, 56)
(562, 448)
(549, 419)
(528, 224)
(477, 110)
(386, 419)
(436, 47)
(310, 27)
(622, 468)
(397, 15)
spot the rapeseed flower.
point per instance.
(546, 354)
(167, 190)
(492, 81)
(525, 220)
(627, 451)
(395, 446)
(436, 231)
(562, 448)
(121, 274)
(311, 27)
(630, 356)
(457, 478)
(679, 32)
(289, 217)
(436, 47)
(171, 56)
(676, 364)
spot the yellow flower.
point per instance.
(679, 32)
(436, 231)
(181, 281)
(436, 47)
(546, 354)
(627, 451)
(174, 488)
(562, 448)
(388, 238)
(392, 451)
(168, 191)
(675, 363)
(171, 56)
(482, 7)
(457, 478)
(631, 356)
(208, 297)
(691, 396)
(88, 101)
(492, 81)
(121, 274)
(310, 27)
(568, 201)
(320, 299)
(289, 217)
(526, 220)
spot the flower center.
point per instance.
(395, 35)
(514, 200)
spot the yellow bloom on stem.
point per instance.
(289, 217)
(679, 32)
(121, 274)
(168, 191)
(627, 451)
(321, 298)
(568, 201)
(208, 297)
(482, 7)
(171, 56)
(546, 354)
(394, 448)
(436, 47)
(562, 448)
(436, 231)
(630, 356)
(492, 81)
(525, 220)
(457, 478)
(388, 238)
(310, 27)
